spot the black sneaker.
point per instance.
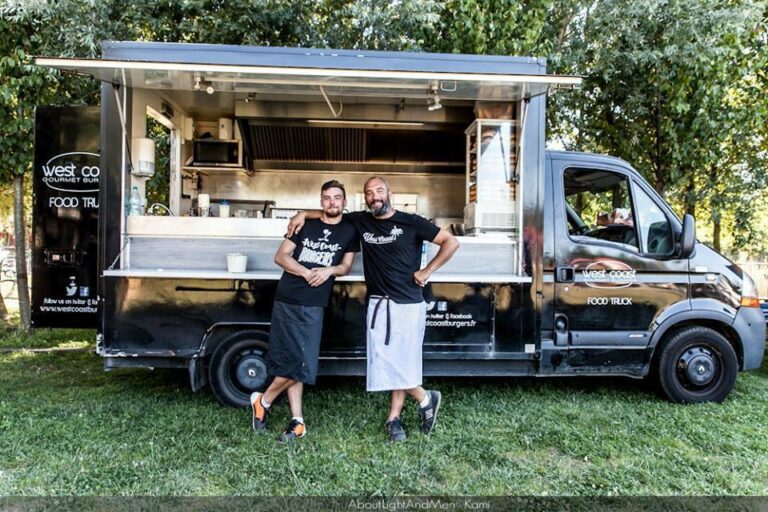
(429, 413)
(260, 412)
(295, 430)
(396, 430)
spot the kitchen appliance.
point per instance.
(217, 153)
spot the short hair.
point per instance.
(333, 184)
(386, 183)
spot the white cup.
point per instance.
(204, 201)
(236, 262)
(223, 210)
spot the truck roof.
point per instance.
(581, 155)
(221, 54)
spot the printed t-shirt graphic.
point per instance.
(392, 253)
(317, 245)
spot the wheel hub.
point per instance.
(251, 372)
(698, 365)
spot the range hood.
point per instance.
(302, 146)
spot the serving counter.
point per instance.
(197, 248)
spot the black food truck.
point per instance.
(570, 264)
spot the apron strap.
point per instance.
(376, 313)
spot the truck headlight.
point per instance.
(749, 298)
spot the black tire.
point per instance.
(696, 365)
(238, 367)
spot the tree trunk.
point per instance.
(690, 195)
(22, 283)
(3, 312)
(716, 235)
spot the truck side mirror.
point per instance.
(688, 236)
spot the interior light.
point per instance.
(433, 99)
(371, 123)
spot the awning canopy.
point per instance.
(307, 80)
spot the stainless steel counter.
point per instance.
(197, 248)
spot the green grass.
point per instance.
(15, 338)
(67, 427)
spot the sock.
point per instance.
(424, 402)
(264, 403)
(299, 419)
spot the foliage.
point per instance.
(505, 27)
(664, 90)
(158, 186)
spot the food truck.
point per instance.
(570, 264)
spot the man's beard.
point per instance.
(332, 213)
(381, 210)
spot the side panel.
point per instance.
(170, 317)
(111, 209)
(65, 217)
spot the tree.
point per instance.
(505, 27)
(661, 79)
(22, 87)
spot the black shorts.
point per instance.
(294, 341)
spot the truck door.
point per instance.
(616, 269)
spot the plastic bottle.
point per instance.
(134, 204)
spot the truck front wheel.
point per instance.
(697, 364)
(238, 367)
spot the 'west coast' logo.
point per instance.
(370, 238)
(609, 274)
(77, 171)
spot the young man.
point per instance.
(396, 318)
(325, 248)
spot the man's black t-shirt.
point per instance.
(317, 245)
(392, 253)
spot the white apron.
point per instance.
(395, 335)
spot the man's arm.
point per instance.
(320, 275)
(448, 245)
(284, 259)
(297, 221)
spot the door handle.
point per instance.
(565, 274)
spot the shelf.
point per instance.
(213, 170)
(175, 273)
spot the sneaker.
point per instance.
(429, 413)
(396, 430)
(295, 429)
(259, 412)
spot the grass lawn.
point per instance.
(67, 427)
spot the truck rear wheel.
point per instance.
(697, 365)
(238, 367)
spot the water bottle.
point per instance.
(134, 204)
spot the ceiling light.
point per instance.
(366, 123)
(433, 99)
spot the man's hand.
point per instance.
(296, 223)
(317, 276)
(422, 276)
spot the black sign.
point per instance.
(65, 217)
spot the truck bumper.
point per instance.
(750, 325)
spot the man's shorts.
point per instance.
(294, 341)
(395, 335)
